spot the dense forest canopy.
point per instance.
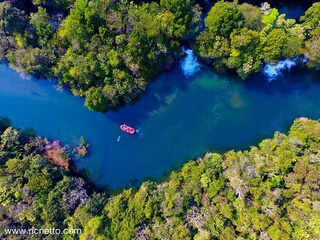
(242, 36)
(268, 192)
(104, 50)
(107, 51)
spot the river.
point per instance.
(182, 115)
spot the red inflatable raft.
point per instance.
(127, 129)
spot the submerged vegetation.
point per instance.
(268, 192)
(107, 51)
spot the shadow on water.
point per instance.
(151, 99)
(154, 97)
(286, 83)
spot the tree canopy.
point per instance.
(108, 51)
(311, 22)
(268, 192)
(227, 41)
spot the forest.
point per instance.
(268, 192)
(108, 51)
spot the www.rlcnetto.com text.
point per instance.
(41, 231)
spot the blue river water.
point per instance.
(180, 117)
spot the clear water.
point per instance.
(178, 118)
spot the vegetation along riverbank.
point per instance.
(107, 51)
(269, 192)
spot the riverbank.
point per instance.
(210, 197)
(111, 65)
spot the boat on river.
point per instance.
(127, 129)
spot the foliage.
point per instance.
(108, 51)
(312, 49)
(96, 100)
(244, 42)
(270, 17)
(11, 19)
(261, 193)
(312, 17)
(34, 192)
(311, 21)
(274, 44)
(252, 16)
(41, 22)
(223, 18)
(268, 192)
(245, 53)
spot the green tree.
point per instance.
(39, 183)
(245, 54)
(223, 18)
(96, 100)
(11, 19)
(274, 44)
(182, 12)
(270, 17)
(312, 49)
(310, 21)
(214, 42)
(252, 16)
(295, 41)
(311, 18)
(94, 229)
(41, 22)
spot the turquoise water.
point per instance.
(178, 118)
